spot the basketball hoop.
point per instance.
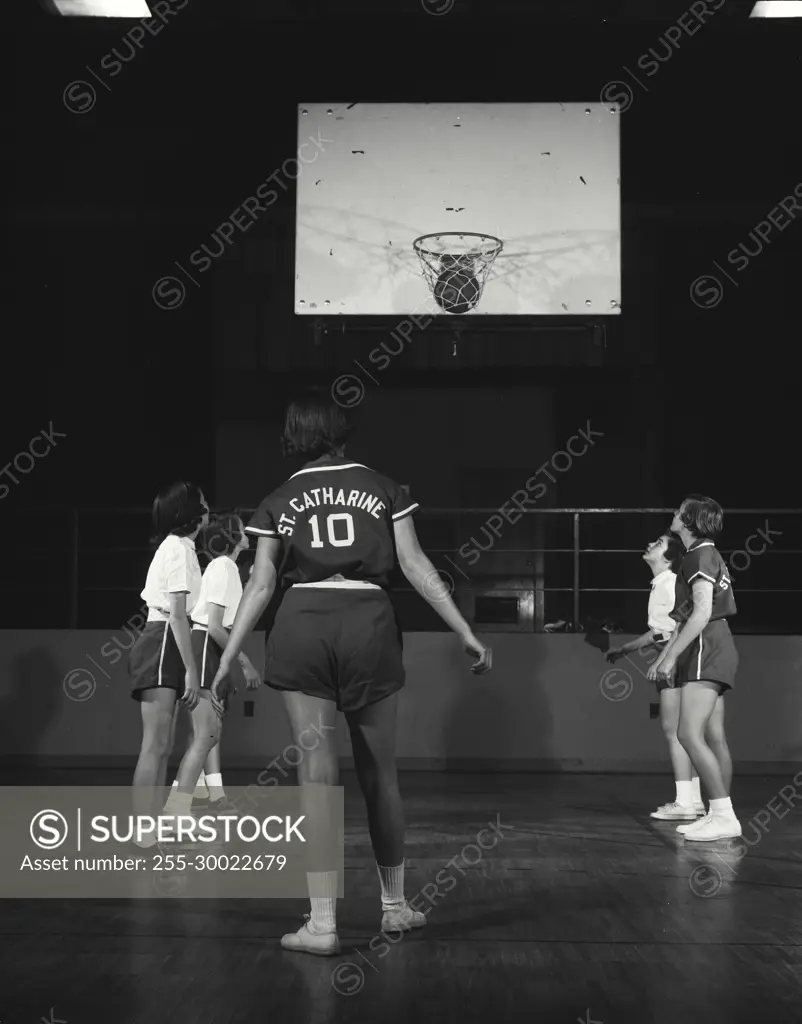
(456, 265)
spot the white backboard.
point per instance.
(543, 178)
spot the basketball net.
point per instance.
(456, 266)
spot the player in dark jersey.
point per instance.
(331, 535)
(703, 655)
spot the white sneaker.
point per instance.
(662, 807)
(715, 828)
(700, 808)
(402, 918)
(685, 829)
(672, 812)
(306, 941)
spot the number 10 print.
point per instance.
(330, 529)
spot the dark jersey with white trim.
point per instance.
(334, 519)
(703, 562)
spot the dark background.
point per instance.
(100, 204)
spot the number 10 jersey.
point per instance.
(334, 519)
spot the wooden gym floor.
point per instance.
(584, 910)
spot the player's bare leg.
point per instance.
(319, 766)
(205, 735)
(717, 742)
(683, 807)
(373, 731)
(170, 747)
(157, 708)
(700, 699)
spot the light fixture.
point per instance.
(102, 8)
(778, 9)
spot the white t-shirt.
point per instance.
(220, 585)
(661, 602)
(174, 570)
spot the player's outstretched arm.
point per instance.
(426, 580)
(646, 640)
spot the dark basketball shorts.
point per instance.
(207, 658)
(155, 661)
(338, 644)
(712, 656)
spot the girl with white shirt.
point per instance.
(223, 540)
(161, 663)
(663, 557)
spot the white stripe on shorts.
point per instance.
(203, 662)
(164, 648)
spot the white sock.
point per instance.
(324, 908)
(392, 880)
(201, 792)
(697, 790)
(215, 785)
(178, 803)
(685, 794)
(175, 784)
(722, 808)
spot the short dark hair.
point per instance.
(177, 509)
(702, 516)
(675, 551)
(221, 536)
(314, 426)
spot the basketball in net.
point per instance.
(456, 266)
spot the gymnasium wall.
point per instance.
(547, 704)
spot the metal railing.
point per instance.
(541, 561)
